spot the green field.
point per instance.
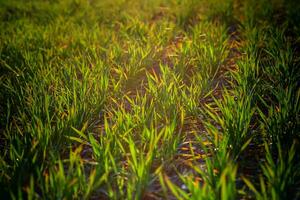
(150, 99)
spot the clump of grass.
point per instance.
(96, 98)
(279, 175)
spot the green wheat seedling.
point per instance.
(234, 120)
(217, 181)
(282, 122)
(279, 175)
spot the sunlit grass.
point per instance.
(98, 99)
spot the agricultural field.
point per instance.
(150, 99)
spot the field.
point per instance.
(150, 99)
